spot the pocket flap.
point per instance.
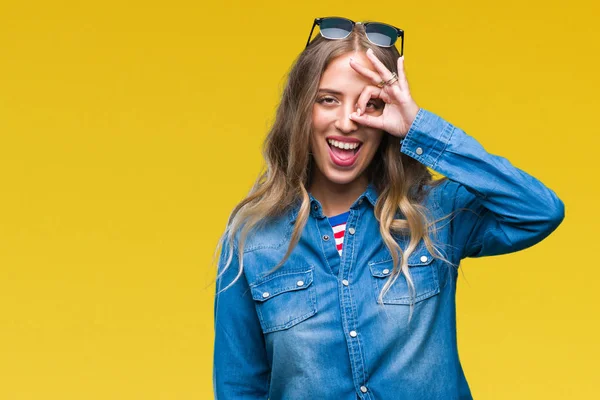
(420, 257)
(423, 273)
(381, 269)
(280, 282)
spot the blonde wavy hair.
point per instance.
(402, 182)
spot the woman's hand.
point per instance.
(400, 109)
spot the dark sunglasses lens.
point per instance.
(381, 34)
(335, 28)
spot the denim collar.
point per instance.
(316, 210)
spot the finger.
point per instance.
(366, 72)
(382, 69)
(368, 93)
(401, 74)
(367, 120)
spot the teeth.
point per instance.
(343, 145)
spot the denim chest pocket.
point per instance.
(423, 272)
(284, 299)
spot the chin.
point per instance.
(341, 177)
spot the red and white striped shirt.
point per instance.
(338, 224)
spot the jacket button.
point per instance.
(419, 151)
(423, 258)
(363, 389)
(265, 294)
(345, 282)
(386, 271)
(316, 207)
(325, 237)
(351, 231)
(353, 333)
(300, 283)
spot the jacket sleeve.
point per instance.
(497, 207)
(240, 365)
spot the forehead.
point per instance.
(341, 75)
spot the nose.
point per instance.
(343, 123)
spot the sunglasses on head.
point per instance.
(378, 33)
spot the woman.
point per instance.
(337, 276)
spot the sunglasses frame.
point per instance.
(399, 31)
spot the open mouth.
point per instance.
(343, 149)
(344, 153)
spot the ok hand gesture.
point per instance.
(400, 109)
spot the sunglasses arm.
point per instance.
(402, 44)
(315, 23)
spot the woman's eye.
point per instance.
(326, 100)
(373, 104)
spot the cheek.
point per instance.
(315, 139)
(377, 138)
(374, 145)
(319, 120)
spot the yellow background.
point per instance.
(129, 130)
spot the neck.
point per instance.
(336, 198)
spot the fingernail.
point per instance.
(349, 116)
(370, 51)
(358, 111)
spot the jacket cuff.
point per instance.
(427, 138)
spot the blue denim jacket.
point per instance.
(313, 328)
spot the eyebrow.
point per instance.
(330, 91)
